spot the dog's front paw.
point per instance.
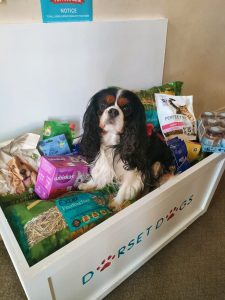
(115, 205)
(125, 194)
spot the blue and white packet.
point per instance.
(180, 153)
(54, 146)
(76, 149)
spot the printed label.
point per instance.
(82, 209)
(66, 10)
(136, 241)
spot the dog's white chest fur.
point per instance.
(108, 167)
(103, 167)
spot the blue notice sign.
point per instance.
(66, 10)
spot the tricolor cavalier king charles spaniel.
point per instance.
(116, 143)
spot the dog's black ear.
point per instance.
(90, 140)
(134, 139)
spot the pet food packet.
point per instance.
(176, 116)
(54, 146)
(25, 148)
(16, 175)
(17, 180)
(147, 98)
(194, 150)
(54, 128)
(180, 153)
(76, 149)
(40, 228)
(19, 160)
(83, 209)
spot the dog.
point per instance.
(116, 144)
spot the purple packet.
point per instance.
(60, 174)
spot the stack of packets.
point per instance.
(28, 179)
(186, 153)
(61, 168)
(211, 131)
(179, 128)
(42, 227)
(55, 128)
(58, 139)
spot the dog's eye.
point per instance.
(103, 106)
(126, 109)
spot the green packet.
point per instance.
(10, 199)
(40, 228)
(147, 98)
(55, 128)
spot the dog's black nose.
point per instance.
(23, 171)
(113, 112)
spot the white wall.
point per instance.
(195, 39)
(20, 11)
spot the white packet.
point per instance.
(176, 116)
(24, 147)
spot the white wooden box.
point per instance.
(54, 76)
(95, 263)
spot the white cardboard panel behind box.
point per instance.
(52, 70)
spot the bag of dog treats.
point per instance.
(176, 116)
(25, 148)
(180, 154)
(19, 160)
(55, 128)
(147, 98)
(42, 227)
(54, 146)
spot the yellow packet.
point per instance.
(194, 150)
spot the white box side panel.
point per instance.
(124, 242)
(133, 236)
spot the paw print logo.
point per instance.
(106, 263)
(171, 214)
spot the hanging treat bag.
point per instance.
(176, 116)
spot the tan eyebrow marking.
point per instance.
(109, 99)
(122, 101)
